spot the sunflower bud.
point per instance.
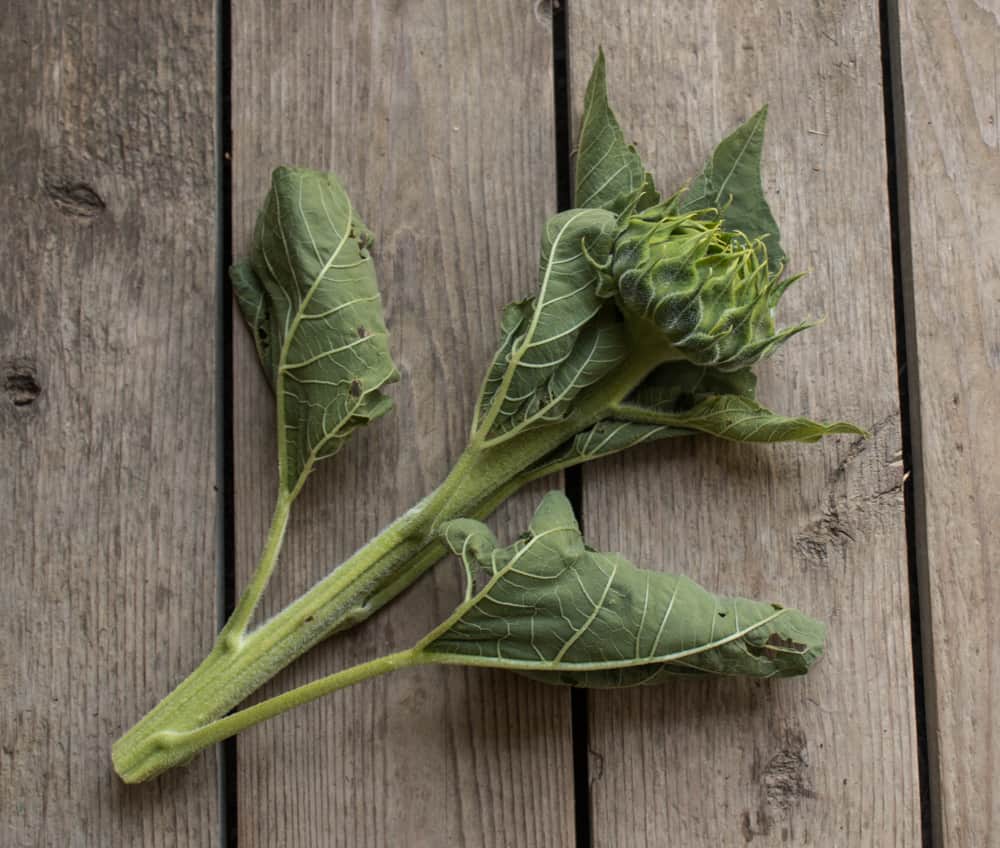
(706, 291)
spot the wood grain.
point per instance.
(439, 120)
(107, 414)
(829, 759)
(950, 58)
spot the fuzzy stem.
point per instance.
(235, 628)
(165, 749)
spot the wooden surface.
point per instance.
(829, 759)
(107, 411)
(440, 121)
(950, 73)
(440, 117)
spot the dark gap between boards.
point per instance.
(226, 535)
(572, 477)
(908, 386)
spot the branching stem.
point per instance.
(243, 661)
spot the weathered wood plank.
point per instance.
(440, 122)
(830, 759)
(107, 339)
(950, 55)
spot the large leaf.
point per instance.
(560, 341)
(730, 182)
(563, 613)
(608, 170)
(309, 295)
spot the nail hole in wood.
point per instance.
(21, 386)
(74, 199)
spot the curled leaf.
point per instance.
(309, 296)
(563, 613)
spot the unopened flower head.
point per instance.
(707, 291)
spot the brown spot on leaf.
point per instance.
(775, 641)
(362, 332)
(355, 389)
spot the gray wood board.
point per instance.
(439, 120)
(950, 58)
(829, 759)
(107, 413)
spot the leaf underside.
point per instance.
(309, 295)
(683, 395)
(608, 169)
(555, 344)
(563, 613)
(683, 399)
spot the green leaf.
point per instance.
(683, 399)
(560, 341)
(608, 170)
(309, 295)
(730, 182)
(732, 417)
(678, 385)
(563, 613)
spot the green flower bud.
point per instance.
(705, 291)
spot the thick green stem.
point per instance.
(240, 663)
(164, 749)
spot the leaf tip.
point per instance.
(597, 85)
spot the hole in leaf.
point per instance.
(776, 641)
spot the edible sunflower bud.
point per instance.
(706, 291)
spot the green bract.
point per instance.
(645, 323)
